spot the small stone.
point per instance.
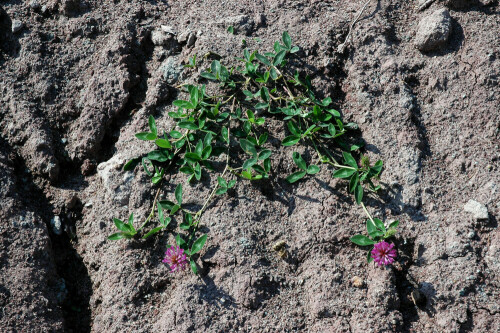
(34, 4)
(168, 29)
(479, 210)
(191, 40)
(160, 37)
(55, 222)
(183, 37)
(433, 31)
(16, 26)
(64, 141)
(357, 282)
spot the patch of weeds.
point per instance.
(216, 128)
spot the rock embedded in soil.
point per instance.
(16, 26)
(160, 37)
(479, 210)
(433, 31)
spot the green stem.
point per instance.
(366, 211)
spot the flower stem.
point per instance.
(366, 211)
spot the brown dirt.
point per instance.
(81, 77)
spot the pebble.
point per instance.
(55, 222)
(34, 4)
(191, 40)
(433, 31)
(357, 282)
(479, 210)
(16, 26)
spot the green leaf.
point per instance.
(121, 226)
(188, 125)
(362, 240)
(358, 194)
(394, 224)
(248, 147)
(370, 226)
(130, 165)
(263, 59)
(184, 226)
(222, 182)
(152, 232)
(157, 155)
(178, 194)
(294, 49)
(263, 138)
(225, 134)
(199, 148)
(356, 146)
(332, 130)
(377, 168)
(278, 59)
(221, 190)
(183, 104)
(267, 164)
(287, 40)
(231, 183)
(290, 140)
(312, 169)
(197, 171)
(180, 242)
(209, 76)
(176, 134)
(379, 224)
(167, 221)
(162, 143)
(295, 176)
(206, 152)
(266, 153)
(198, 244)
(174, 210)
(145, 136)
(152, 125)
(230, 29)
(248, 163)
(194, 268)
(343, 173)
(246, 174)
(292, 127)
(166, 204)
(375, 234)
(299, 160)
(259, 106)
(353, 182)
(192, 157)
(369, 258)
(350, 160)
(116, 236)
(327, 101)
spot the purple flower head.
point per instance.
(384, 253)
(175, 259)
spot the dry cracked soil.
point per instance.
(78, 78)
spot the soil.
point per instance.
(80, 77)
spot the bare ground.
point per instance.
(79, 79)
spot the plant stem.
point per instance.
(152, 213)
(366, 211)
